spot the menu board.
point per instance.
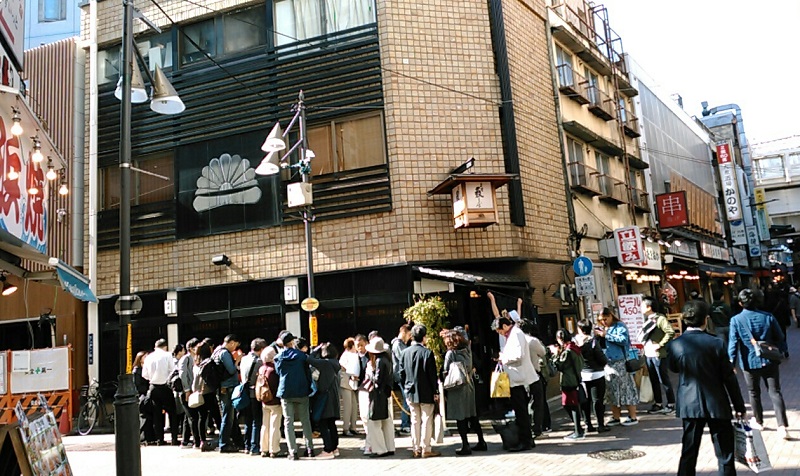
(630, 313)
(44, 448)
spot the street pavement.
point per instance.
(657, 436)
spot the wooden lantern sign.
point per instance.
(474, 197)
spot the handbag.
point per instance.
(240, 397)
(456, 376)
(500, 384)
(764, 349)
(749, 448)
(508, 431)
(634, 361)
(646, 390)
(195, 400)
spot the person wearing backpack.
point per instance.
(202, 413)
(252, 414)
(226, 366)
(272, 414)
(568, 360)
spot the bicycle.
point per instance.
(93, 406)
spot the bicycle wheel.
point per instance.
(87, 417)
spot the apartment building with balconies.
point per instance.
(600, 133)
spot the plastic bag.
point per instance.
(500, 385)
(645, 390)
(749, 448)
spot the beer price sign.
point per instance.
(630, 313)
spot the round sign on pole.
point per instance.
(582, 266)
(135, 305)
(309, 304)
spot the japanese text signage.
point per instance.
(753, 243)
(672, 210)
(730, 189)
(584, 286)
(630, 313)
(629, 245)
(762, 216)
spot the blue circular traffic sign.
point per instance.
(582, 266)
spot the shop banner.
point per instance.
(730, 188)
(753, 244)
(762, 216)
(630, 313)
(629, 245)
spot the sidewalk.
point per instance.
(658, 436)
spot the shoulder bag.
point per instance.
(763, 348)
(456, 375)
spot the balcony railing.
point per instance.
(641, 200)
(612, 190)
(599, 103)
(584, 178)
(579, 23)
(630, 125)
(572, 84)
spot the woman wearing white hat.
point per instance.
(379, 380)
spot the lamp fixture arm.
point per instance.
(143, 65)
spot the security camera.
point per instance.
(220, 260)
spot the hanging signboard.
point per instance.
(584, 286)
(762, 217)
(730, 188)
(630, 313)
(753, 244)
(629, 245)
(672, 209)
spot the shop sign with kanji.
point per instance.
(672, 210)
(629, 245)
(730, 188)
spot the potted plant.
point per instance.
(431, 312)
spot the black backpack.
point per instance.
(174, 381)
(212, 371)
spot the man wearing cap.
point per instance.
(157, 367)
(794, 305)
(293, 390)
(420, 383)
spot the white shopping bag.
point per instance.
(646, 390)
(749, 448)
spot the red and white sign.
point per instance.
(629, 245)
(672, 209)
(12, 25)
(630, 313)
(727, 174)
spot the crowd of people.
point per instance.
(206, 391)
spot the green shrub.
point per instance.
(431, 312)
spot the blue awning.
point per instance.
(73, 281)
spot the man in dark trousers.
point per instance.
(706, 390)
(420, 383)
(157, 367)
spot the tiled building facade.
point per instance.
(428, 73)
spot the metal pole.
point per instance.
(128, 452)
(305, 173)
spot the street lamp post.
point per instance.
(270, 165)
(164, 101)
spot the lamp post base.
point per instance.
(126, 421)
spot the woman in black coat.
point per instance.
(146, 428)
(380, 433)
(325, 403)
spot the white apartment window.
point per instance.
(52, 10)
(770, 168)
(297, 20)
(793, 164)
(575, 151)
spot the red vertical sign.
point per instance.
(629, 245)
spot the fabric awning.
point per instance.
(474, 277)
(73, 280)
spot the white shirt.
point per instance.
(516, 358)
(157, 367)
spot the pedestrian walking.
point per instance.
(706, 389)
(621, 388)
(157, 368)
(252, 414)
(747, 328)
(379, 382)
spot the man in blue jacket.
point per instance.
(224, 355)
(706, 390)
(293, 389)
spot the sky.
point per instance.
(720, 51)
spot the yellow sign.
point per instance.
(312, 327)
(761, 198)
(309, 304)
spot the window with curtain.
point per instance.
(297, 20)
(355, 143)
(575, 151)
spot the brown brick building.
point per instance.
(398, 94)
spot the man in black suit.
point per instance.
(706, 390)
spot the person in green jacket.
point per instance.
(655, 349)
(569, 362)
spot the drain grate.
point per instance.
(616, 455)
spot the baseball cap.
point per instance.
(285, 337)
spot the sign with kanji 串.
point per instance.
(730, 188)
(672, 209)
(629, 245)
(630, 313)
